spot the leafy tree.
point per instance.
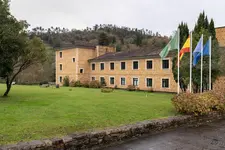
(18, 52)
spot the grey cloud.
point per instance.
(158, 15)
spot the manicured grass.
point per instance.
(31, 112)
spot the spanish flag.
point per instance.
(185, 48)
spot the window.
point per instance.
(60, 54)
(81, 70)
(60, 67)
(93, 66)
(135, 81)
(112, 80)
(123, 65)
(92, 78)
(165, 64)
(122, 81)
(149, 64)
(111, 66)
(165, 83)
(60, 79)
(74, 59)
(102, 80)
(149, 82)
(135, 64)
(102, 66)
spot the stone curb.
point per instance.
(102, 138)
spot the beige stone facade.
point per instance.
(74, 60)
(220, 35)
(156, 74)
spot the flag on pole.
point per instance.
(210, 63)
(206, 49)
(197, 52)
(205, 53)
(172, 45)
(185, 48)
(190, 84)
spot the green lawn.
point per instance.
(31, 112)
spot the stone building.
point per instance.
(220, 35)
(142, 68)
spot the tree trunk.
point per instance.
(7, 90)
(8, 86)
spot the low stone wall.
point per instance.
(98, 139)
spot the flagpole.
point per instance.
(201, 63)
(190, 63)
(210, 63)
(178, 65)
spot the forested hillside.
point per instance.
(122, 38)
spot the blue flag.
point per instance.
(197, 55)
(206, 49)
(197, 52)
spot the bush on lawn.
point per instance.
(72, 83)
(198, 104)
(57, 86)
(43, 82)
(95, 84)
(77, 84)
(66, 81)
(85, 84)
(131, 88)
(107, 90)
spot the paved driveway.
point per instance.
(205, 137)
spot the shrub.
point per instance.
(77, 84)
(43, 82)
(103, 83)
(131, 88)
(66, 81)
(57, 86)
(72, 83)
(85, 84)
(106, 90)
(95, 84)
(197, 104)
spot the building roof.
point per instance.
(220, 27)
(131, 54)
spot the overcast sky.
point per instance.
(157, 15)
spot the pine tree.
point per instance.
(206, 23)
(212, 31)
(184, 33)
(103, 39)
(201, 27)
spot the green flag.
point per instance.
(172, 45)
